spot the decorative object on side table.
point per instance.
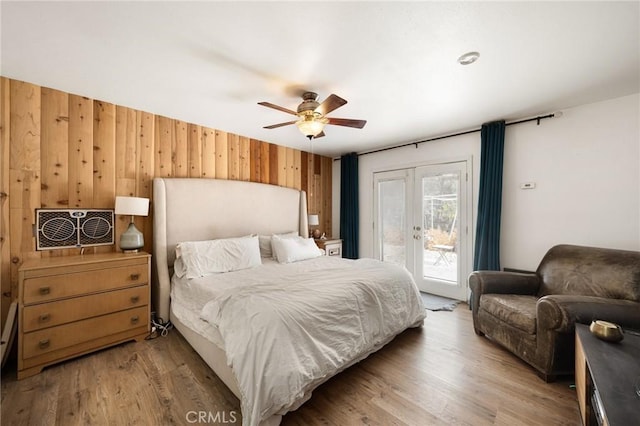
(132, 240)
(605, 330)
(314, 221)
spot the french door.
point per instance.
(422, 222)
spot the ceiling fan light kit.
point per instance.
(311, 124)
(311, 115)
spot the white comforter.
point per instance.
(283, 337)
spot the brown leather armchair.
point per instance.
(534, 315)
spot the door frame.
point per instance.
(466, 264)
(442, 287)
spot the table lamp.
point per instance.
(132, 240)
(314, 221)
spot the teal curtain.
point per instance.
(349, 210)
(487, 250)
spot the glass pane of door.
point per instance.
(393, 210)
(393, 222)
(440, 224)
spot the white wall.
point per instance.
(586, 167)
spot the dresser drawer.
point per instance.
(45, 288)
(54, 338)
(43, 315)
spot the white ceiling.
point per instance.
(211, 62)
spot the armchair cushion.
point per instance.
(534, 315)
(496, 282)
(514, 309)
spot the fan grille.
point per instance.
(95, 230)
(60, 231)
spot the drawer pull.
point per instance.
(135, 277)
(135, 299)
(45, 290)
(44, 317)
(134, 320)
(43, 344)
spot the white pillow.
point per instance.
(200, 258)
(265, 243)
(287, 250)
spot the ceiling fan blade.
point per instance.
(275, 126)
(279, 108)
(319, 135)
(359, 124)
(333, 102)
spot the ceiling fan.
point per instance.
(312, 115)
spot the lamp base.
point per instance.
(131, 240)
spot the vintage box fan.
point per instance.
(73, 228)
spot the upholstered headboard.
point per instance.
(203, 209)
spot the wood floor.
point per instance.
(441, 374)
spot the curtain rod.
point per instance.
(526, 120)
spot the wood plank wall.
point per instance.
(61, 150)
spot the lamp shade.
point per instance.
(313, 220)
(132, 206)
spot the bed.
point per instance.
(274, 331)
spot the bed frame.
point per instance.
(187, 209)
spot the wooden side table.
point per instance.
(331, 247)
(607, 377)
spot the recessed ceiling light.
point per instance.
(468, 58)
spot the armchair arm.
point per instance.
(503, 282)
(562, 312)
(483, 282)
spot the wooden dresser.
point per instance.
(72, 305)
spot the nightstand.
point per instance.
(331, 247)
(73, 305)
